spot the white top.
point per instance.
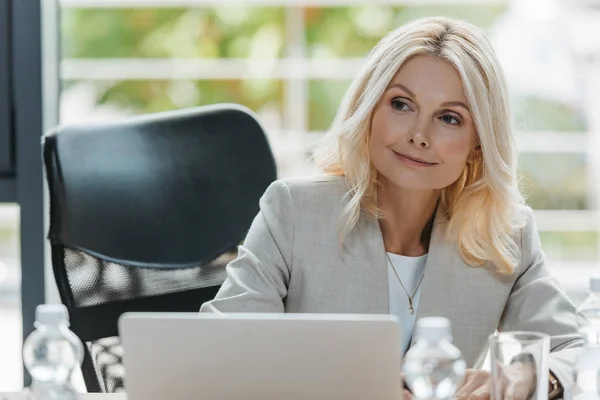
(410, 270)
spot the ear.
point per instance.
(475, 153)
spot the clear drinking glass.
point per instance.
(520, 354)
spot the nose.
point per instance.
(419, 136)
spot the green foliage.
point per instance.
(142, 97)
(353, 31)
(580, 246)
(324, 99)
(172, 33)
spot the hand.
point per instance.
(517, 382)
(406, 395)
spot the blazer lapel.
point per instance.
(451, 289)
(435, 300)
(365, 244)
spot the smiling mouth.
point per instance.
(414, 161)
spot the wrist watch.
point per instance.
(556, 389)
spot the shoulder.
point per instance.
(306, 205)
(526, 222)
(304, 193)
(529, 239)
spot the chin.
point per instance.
(412, 182)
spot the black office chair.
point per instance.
(144, 215)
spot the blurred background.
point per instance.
(291, 61)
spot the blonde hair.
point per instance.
(483, 204)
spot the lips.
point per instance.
(415, 159)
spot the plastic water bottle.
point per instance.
(51, 353)
(590, 308)
(433, 367)
(586, 369)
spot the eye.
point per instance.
(450, 120)
(400, 105)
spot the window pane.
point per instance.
(572, 246)
(172, 32)
(555, 181)
(541, 114)
(82, 100)
(324, 97)
(482, 15)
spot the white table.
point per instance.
(84, 396)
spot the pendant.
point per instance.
(411, 310)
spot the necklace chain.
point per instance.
(411, 310)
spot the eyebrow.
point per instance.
(446, 104)
(455, 104)
(401, 86)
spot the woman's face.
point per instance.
(422, 133)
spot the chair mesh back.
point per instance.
(107, 357)
(94, 282)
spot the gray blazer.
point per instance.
(291, 261)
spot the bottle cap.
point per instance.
(595, 284)
(433, 328)
(51, 314)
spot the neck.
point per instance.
(408, 215)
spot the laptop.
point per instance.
(260, 356)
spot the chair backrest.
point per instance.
(144, 215)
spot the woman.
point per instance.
(419, 213)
